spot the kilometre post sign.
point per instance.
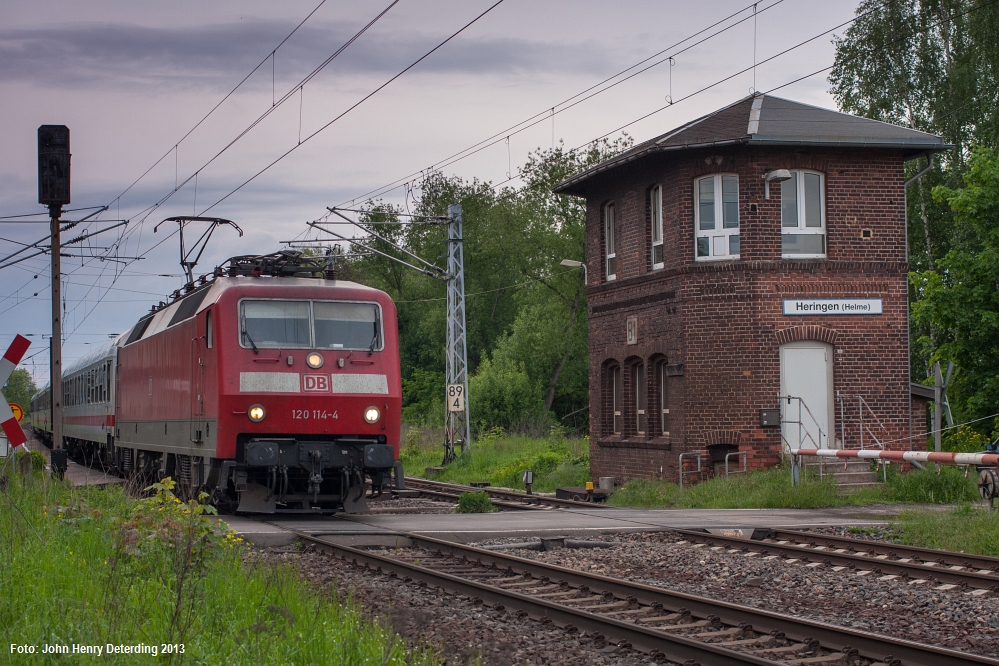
(833, 306)
(455, 397)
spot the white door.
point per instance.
(806, 373)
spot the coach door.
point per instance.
(806, 384)
(198, 390)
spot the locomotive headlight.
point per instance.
(371, 414)
(256, 413)
(314, 360)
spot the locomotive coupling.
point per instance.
(290, 474)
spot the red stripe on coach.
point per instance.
(17, 348)
(12, 429)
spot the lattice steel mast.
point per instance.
(456, 427)
(457, 430)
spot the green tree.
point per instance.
(20, 388)
(932, 65)
(525, 313)
(960, 300)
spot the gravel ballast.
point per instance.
(954, 619)
(459, 630)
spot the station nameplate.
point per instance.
(833, 306)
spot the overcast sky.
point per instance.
(130, 79)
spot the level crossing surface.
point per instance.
(468, 528)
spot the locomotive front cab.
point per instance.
(311, 398)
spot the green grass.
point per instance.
(475, 503)
(93, 566)
(969, 529)
(772, 489)
(501, 460)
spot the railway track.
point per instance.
(667, 625)
(502, 498)
(979, 575)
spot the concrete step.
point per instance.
(839, 465)
(848, 488)
(843, 478)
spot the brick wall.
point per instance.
(718, 325)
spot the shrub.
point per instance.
(964, 439)
(501, 394)
(475, 503)
(38, 461)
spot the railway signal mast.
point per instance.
(53, 191)
(457, 431)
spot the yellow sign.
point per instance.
(18, 411)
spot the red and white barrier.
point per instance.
(10, 359)
(942, 457)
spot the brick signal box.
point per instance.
(747, 287)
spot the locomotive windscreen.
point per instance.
(346, 325)
(276, 323)
(317, 324)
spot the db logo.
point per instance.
(316, 382)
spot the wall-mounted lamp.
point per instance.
(779, 175)
(572, 263)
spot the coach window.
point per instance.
(802, 215)
(641, 398)
(716, 213)
(656, 220)
(610, 249)
(208, 329)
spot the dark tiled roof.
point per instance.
(766, 120)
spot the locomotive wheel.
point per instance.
(988, 485)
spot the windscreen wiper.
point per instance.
(249, 339)
(374, 339)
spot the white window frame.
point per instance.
(656, 221)
(799, 180)
(610, 243)
(719, 237)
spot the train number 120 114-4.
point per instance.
(313, 414)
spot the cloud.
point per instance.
(119, 55)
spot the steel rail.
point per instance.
(892, 550)
(678, 648)
(454, 495)
(879, 565)
(506, 495)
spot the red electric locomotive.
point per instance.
(272, 387)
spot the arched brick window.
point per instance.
(640, 381)
(659, 422)
(612, 399)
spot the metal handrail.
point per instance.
(696, 471)
(863, 427)
(802, 432)
(786, 446)
(745, 462)
(861, 404)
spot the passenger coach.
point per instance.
(273, 388)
